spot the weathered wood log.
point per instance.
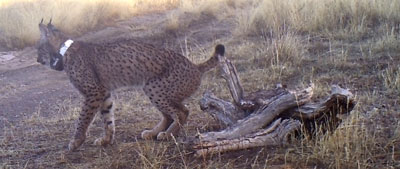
(325, 115)
(221, 110)
(276, 134)
(267, 117)
(263, 116)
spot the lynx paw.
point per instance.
(148, 134)
(164, 136)
(103, 142)
(75, 144)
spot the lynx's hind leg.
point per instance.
(179, 114)
(156, 97)
(164, 123)
(107, 114)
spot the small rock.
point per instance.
(6, 57)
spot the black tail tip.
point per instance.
(220, 49)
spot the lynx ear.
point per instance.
(51, 26)
(41, 23)
(43, 32)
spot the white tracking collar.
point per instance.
(65, 46)
(63, 49)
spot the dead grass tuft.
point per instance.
(349, 146)
(389, 41)
(214, 8)
(286, 48)
(391, 79)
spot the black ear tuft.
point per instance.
(220, 50)
(50, 25)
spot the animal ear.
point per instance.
(41, 23)
(51, 26)
(43, 31)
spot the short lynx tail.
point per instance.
(213, 61)
(220, 50)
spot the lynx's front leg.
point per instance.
(89, 110)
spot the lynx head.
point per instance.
(50, 42)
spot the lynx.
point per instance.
(95, 70)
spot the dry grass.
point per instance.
(354, 44)
(391, 79)
(19, 18)
(332, 17)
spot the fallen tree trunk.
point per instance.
(268, 117)
(276, 134)
(262, 117)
